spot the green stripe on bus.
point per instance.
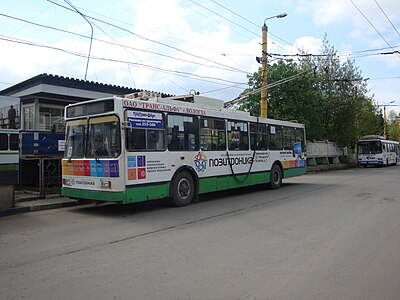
(93, 195)
(147, 192)
(221, 183)
(294, 172)
(8, 167)
(158, 191)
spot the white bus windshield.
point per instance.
(94, 138)
(369, 147)
(75, 139)
(104, 140)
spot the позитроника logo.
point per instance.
(200, 161)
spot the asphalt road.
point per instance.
(333, 235)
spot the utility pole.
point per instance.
(263, 103)
(264, 58)
(384, 116)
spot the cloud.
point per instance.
(308, 44)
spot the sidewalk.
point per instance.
(27, 202)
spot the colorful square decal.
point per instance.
(99, 169)
(131, 174)
(141, 161)
(93, 168)
(86, 167)
(67, 168)
(301, 163)
(141, 173)
(114, 170)
(106, 168)
(78, 168)
(131, 161)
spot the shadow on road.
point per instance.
(125, 210)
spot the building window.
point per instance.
(49, 116)
(28, 117)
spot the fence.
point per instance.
(324, 153)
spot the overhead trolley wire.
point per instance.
(151, 40)
(78, 54)
(372, 25)
(394, 27)
(117, 44)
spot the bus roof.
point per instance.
(212, 105)
(372, 137)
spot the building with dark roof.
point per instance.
(42, 102)
(44, 97)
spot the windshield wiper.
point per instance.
(96, 157)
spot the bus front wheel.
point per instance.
(182, 189)
(275, 179)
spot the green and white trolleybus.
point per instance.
(138, 148)
(9, 157)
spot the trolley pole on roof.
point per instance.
(264, 58)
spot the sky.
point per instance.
(182, 46)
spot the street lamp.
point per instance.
(263, 103)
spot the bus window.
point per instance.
(212, 134)
(183, 133)
(135, 139)
(238, 138)
(104, 137)
(155, 139)
(145, 131)
(288, 138)
(3, 141)
(75, 139)
(370, 147)
(14, 142)
(300, 138)
(258, 136)
(275, 137)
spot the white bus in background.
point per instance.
(134, 148)
(374, 150)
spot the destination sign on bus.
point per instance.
(145, 120)
(164, 107)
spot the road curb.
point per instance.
(38, 207)
(13, 211)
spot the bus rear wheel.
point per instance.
(182, 189)
(275, 179)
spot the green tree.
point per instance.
(331, 102)
(393, 125)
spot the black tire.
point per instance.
(275, 179)
(183, 189)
